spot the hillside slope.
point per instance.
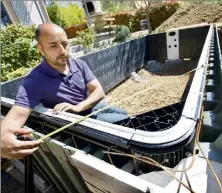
(193, 14)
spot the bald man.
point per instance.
(59, 83)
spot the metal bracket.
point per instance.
(172, 38)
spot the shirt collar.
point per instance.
(48, 69)
(53, 72)
(72, 65)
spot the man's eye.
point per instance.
(53, 46)
(65, 45)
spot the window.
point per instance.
(89, 6)
(5, 19)
(22, 10)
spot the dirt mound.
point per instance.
(190, 14)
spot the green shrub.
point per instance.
(111, 6)
(123, 18)
(17, 51)
(116, 6)
(17, 73)
(85, 38)
(65, 16)
(72, 31)
(72, 14)
(122, 33)
(54, 15)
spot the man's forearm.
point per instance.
(95, 97)
(16, 118)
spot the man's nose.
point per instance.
(62, 49)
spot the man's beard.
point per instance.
(65, 57)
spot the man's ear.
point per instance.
(40, 49)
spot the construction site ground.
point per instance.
(172, 87)
(164, 90)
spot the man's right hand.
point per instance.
(62, 107)
(13, 148)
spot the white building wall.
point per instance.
(34, 13)
(97, 5)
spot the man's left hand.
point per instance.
(62, 107)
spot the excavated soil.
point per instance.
(190, 14)
(164, 90)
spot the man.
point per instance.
(62, 83)
(59, 83)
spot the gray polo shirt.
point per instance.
(47, 86)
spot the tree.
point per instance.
(140, 6)
(65, 16)
(116, 6)
(18, 51)
(54, 15)
(72, 14)
(110, 7)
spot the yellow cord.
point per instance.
(143, 158)
(210, 165)
(167, 169)
(87, 116)
(140, 158)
